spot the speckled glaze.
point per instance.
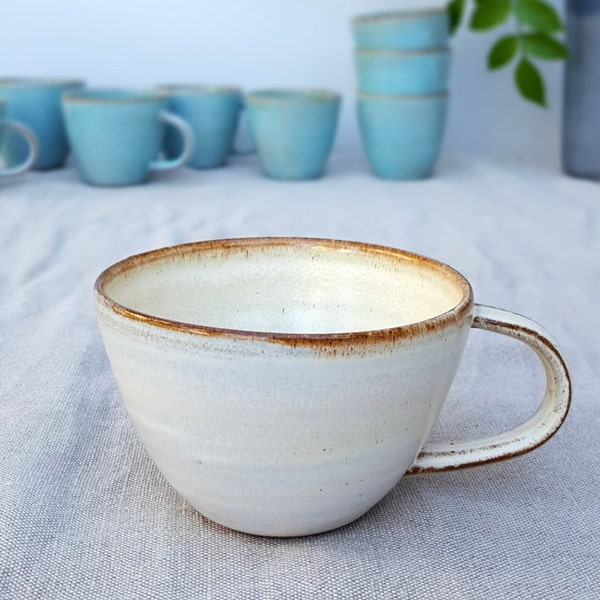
(212, 112)
(36, 104)
(402, 30)
(293, 130)
(401, 72)
(402, 135)
(283, 386)
(117, 135)
(29, 138)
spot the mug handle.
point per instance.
(243, 124)
(188, 143)
(523, 438)
(32, 142)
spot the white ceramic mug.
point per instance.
(284, 385)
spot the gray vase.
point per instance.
(581, 113)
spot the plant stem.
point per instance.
(519, 29)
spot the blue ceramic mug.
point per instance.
(28, 137)
(402, 135)
(293, 130)
(403, 30)
(117, 135)
(402, 71)
(36, 104)
(213, 113)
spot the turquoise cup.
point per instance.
(117, 135)
(293, 130)
(402, 135)
(28, 137)
(36, 104)
(402, 30)
(404, 72)
(212, 112)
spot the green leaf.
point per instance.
(456, 12)
(530, 82)
(489, 14)
(537, 15)
(503, 51)
(542, 45)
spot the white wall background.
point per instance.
(256, 43)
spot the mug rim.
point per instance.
(105, 96)
(287, 95)
(401, 97)
(312, 340)
(30, 82)
(398, 15)
(198, 88)
(400, 52)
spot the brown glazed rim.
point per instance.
(420, 328)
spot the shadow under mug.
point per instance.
(37, 104)
(117, 135)
(402, 135)
(212, 112)
(293, 130)
(28, 137)
(294, 396)
(403, 30)
(402, 72)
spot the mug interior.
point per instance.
(291, 286)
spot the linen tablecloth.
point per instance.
(84, 513)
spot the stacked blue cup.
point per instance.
(402, 63)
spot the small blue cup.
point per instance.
(213, 113)
(293, 130)
(28, 137)
(402, 72)
(116, 135)
(402, 135)
(36, 104)
(403, 30)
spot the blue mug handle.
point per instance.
(32, 142)
(188, 143)
(235, 150)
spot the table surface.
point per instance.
(84, 513)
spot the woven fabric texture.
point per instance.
(84, 513)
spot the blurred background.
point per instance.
(258, 43)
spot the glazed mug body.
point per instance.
(36, 103)
(293, 130)
(283, 386)
(402, 135)
(117, 135)
(213, 114)
(402, 30)
(400, 72)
